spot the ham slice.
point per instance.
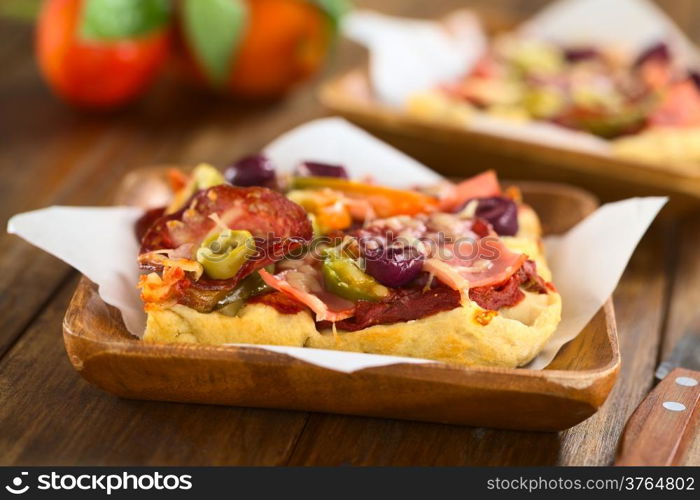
(483, 185)
(474, 263)
(307, 288)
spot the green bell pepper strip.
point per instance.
(343, 277)
(250, 287)
(223, 254)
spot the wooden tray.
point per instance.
(457, 151)
(568, 391)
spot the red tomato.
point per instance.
(284, 42)
(292, 37)
(94, 73)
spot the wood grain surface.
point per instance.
(51, 154)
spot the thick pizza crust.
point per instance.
(436, 107)
(467, 335)
(457, 336)
(511, 338)
(671, 147)
(255, 324)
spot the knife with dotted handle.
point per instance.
(664, 425)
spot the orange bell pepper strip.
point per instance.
(386, 202)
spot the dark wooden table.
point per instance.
(50, 154)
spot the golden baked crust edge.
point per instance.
(511, 338)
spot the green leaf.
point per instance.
(335, 9)
(119, 19)
(214, 29)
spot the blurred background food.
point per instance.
(106, 53)
(210, 80)
(586, 88)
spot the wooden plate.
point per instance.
(459, 152)
(568, 391)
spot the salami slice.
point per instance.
(277, 224)
(510, 292)
(404, 304)
(146, 221)
(281, 302)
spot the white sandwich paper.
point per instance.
(629, 25)
(97, 241)
(586, 262)
(332, 140)
(340, 361)
(399, 46)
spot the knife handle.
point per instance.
(663, 425)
